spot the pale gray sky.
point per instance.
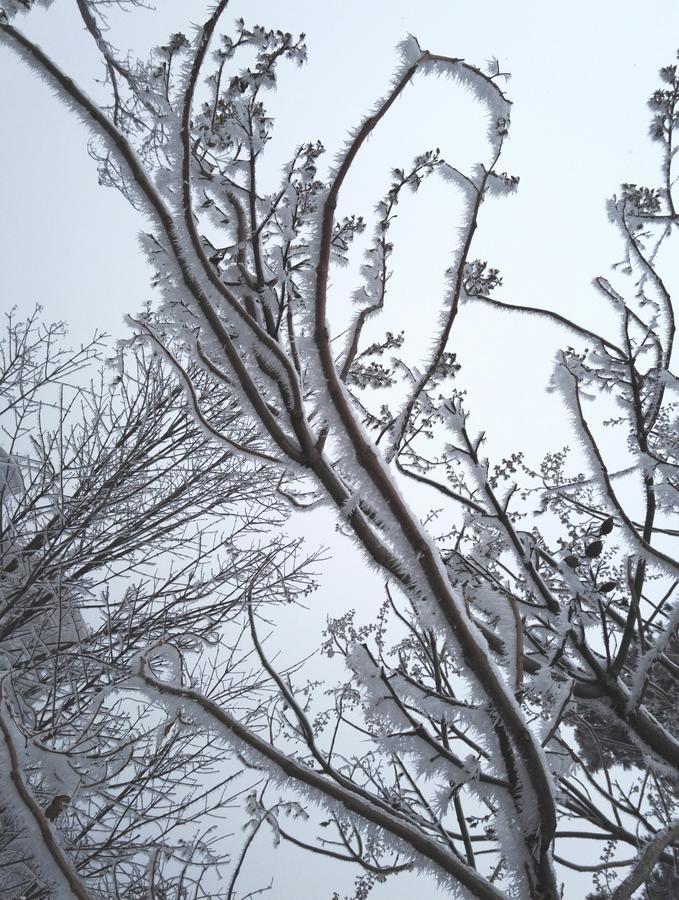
(581, 74)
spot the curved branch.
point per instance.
(556, 317)
(369, 809)
(534, 769)
(403, 419)
(67, 878)
(647, 861)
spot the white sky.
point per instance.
(581, 75)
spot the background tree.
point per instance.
(124, 528)
(511, 688)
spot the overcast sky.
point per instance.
(581, 75)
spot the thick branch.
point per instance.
(370, 810)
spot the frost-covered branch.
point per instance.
(528, 641)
